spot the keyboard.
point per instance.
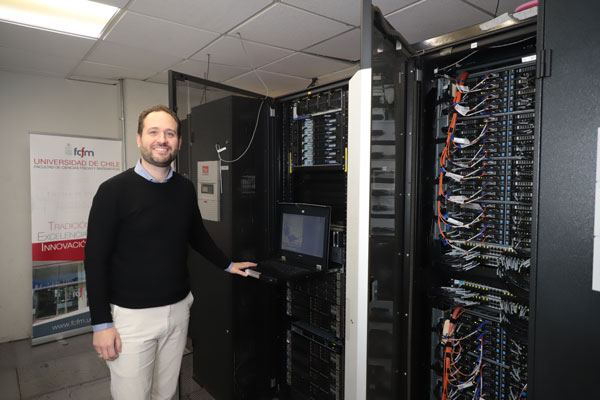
(280, 268)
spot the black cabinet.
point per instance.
(236, 344)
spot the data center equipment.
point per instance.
(484, 160)
(468, 262)
(303, 244)
(314, 153)
(209, 189)
(452, 145)
(315, 366)
(476, 283)
(290, 150)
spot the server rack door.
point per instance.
(386, 231)
(379, 281)
(390, 267)
(566, 306)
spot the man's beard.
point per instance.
(150, 159)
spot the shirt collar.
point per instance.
(141, 171)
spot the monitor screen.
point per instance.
(303, 234)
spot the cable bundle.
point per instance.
(455, 380)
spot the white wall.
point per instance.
(34, 103)
(139, 96)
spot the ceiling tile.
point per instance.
(156, 35)
(216, 16)
(217, 72)
(18, 60)
(342, 10)
(306, 66)
(338, 75)
(442, 16)
(347, 10)
(162, 77)
(278, 84)
(44, 42)
(229, 50)
(289, 27)
(131, 57)
(91, 69)
(346, 46)
(137, 30)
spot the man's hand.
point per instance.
(107, 343)
(239, 267)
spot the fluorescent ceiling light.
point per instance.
(77, 17)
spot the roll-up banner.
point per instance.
(65, 174)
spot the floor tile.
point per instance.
(97, 390)
(21, 353)
(61, 373)
(69, 369)
(9, 384)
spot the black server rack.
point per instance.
(235, 350)
(314, 133)
(492, 287)
(315, 363)
(482, 213)
(452, 159)
(288, 338)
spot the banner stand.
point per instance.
(65, 174)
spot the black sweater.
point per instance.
(137, 240)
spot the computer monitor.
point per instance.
(305, 233)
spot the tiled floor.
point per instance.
(67, 369)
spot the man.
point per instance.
(139, 228)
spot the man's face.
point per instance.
(158, 142)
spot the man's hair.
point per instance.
(152, 109)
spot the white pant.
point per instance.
(153, 341)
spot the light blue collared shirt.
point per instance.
(141, 171)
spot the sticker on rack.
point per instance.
(462, 110)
